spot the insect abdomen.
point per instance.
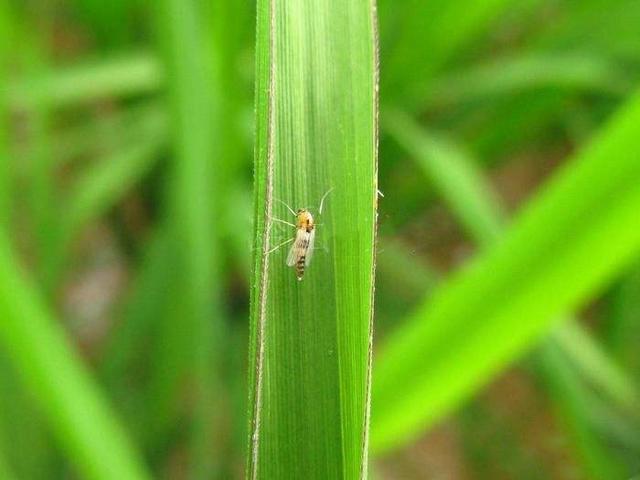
(300, 264)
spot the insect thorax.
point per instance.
(305, 220)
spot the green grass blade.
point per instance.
(5, 470)
(471, 199)
(572, 399)
(508, 297)
(150, 291)
(6, 38)
(23, 437)
(596, 366)
(27, 446)
(103, 184)
(5, 195)
(89, 139)
(100, 187)
(430, 35)
(112, 23)
(41, 179)
(127, 75)
(602, 415)
(589, 24)
(195, 325)
(624, 327)
(515, 121)
(310, 341)
(84, 424)
(583, 73)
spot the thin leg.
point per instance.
(322, 200)
(283, 221)
(279, 245)
(290, 209)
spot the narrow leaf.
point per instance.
(310, 341)
(430, 35)
(193, 326)
(133, 74)
(84, 424)
(470, 198)
(552, 260)
(509, 76)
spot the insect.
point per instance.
(304, 240)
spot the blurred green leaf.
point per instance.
(511, 124)
(113, 22)
(623, 326)
(150, 291)
(84, 424)
(24, 448)
(41, 178)
(108, 132)
(125, 75)
(430, 34)
(103, 184)
(453, 176)
(597, 367)
(194, 329)
(600, 26)
(573, 72)
(5, 471)
(508, 454)
(310, 340)
(24, 437)
(498, 306)
(572, 399)
(100, 187)
(470, 197)
(6, 38)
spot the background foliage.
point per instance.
(508, 292)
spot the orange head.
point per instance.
(304, 219)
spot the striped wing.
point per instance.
(300, 247)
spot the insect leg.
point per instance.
(279, 245)
(283, 221)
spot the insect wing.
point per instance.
(312, 239)
(293, 254)
(299, 247)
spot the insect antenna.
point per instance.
(323, 199)
(288, 207)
